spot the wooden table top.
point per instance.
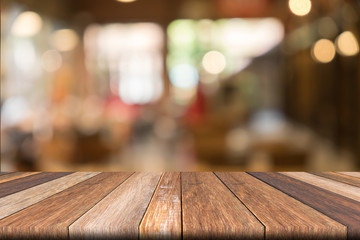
(189, 205)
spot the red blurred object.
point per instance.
(196, 112)
(115, 108)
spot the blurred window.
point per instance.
(130, 56)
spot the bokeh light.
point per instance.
(214, 62)
(51, 60)
(300, 7)
(347, 44)
(251, 37)
(27, 24)
(182, 33)
(14, 111)
(65, 40)
(184, 76)
(323, 51)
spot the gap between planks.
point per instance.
(242, 203)
(342, 209)
(68, 231)
(141, 221)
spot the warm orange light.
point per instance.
(27, 24)
(300, 7)
(214, 62)
(323, 51)
(51, 60)
(347, 44)
(65, 40)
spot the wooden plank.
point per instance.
(340, 178)
(119, 214)
(162, 219)
(18, 185)
(283, 216)
(344, 210)
(3, 173)
(15, 175)
(351, 174)
(333, 186)
(51, 217)
(20, 200)
(210, 210)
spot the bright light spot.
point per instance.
(140, 79)
(323, 51)
(51, 60)
(65, 40)
(27, 24)
(182, 32)
(147, 36)
(14, 111)
(24, 55)
(300, 7)
(184, 76)
(126, 1)
(347, 45)
(132, 55)
(136, 90)
(251, 38)
(267, 122)
(214, 62)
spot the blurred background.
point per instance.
(180, 85)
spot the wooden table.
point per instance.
(233, 205)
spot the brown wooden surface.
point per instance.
(340, 178)
(119, 214)
(163, 217)
(209, 209)
(51, 217)
(343, 189)
(20, 200)
(352, 174)
(198, 205)
(15, 175)
(17, 185)
(279, 212)
(344, 210)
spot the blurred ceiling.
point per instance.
(161, 11)
(79, 12)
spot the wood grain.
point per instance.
(210, 210)
(351, 174)
(20, 200)
(344, 210)
(283, 216)
(119, 214)
(51, 217)
(354, 181)
(328, 184)
(162, 219)
(15, 175)
(18, 185)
